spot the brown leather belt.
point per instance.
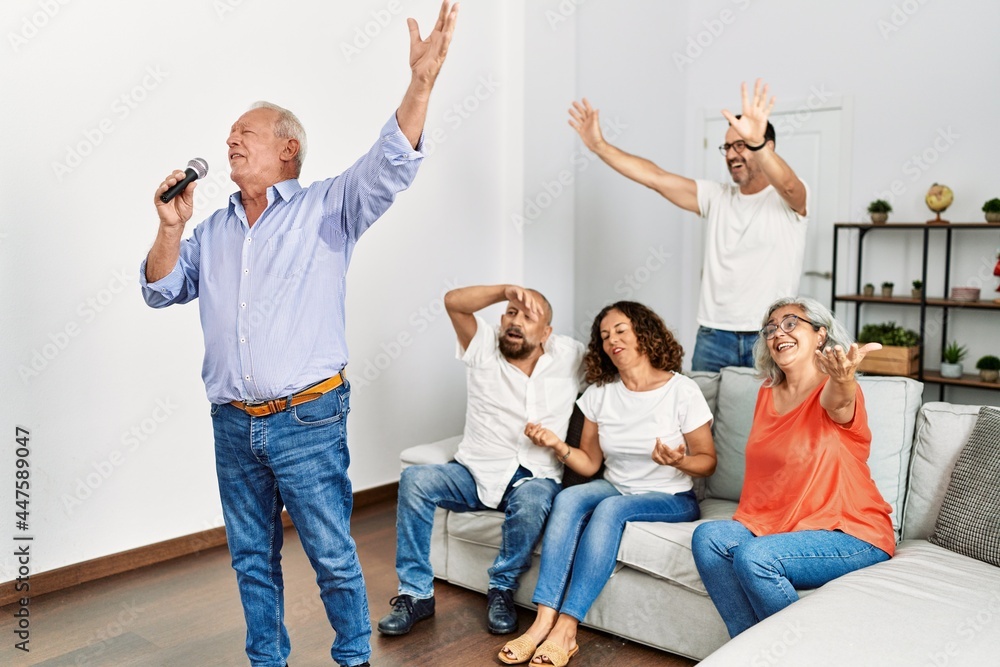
(267, 408)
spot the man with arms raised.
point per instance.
(269, 272)
(519, 373)
(755, 228)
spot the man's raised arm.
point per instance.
(426, 58)
(463, 303)
(680, 191)
(751, 126)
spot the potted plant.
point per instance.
(918, 289)
(951, 360)
(868, 289)
(989, 368)
(879, 211)
(887, 289)
(900, 349)
(992, 210)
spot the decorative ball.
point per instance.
(939, 197)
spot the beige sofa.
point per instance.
(925, 606)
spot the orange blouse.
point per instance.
(804, 471)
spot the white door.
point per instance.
(814, 143)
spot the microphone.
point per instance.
(197, 168)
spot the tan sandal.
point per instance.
(523, 648)
(554, 653)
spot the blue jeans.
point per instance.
(581, 542)
(715, 348)
(749, 577)
(423, 488)
(296, 459)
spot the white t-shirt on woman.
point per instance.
(629, 422)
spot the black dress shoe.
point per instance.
(406, 610)
(501, 617)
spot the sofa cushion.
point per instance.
(709, 385)
(924, 606)
(664, 549)
(969, 521)
(942, 431)
(733, 415)
(892, 404)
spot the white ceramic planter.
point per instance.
(951, 370)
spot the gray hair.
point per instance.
(820, 315)
(287, 127)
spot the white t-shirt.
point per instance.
(754, 249)
(629, 422)
(502, 400)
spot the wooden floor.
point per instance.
(187, 612)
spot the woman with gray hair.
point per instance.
(809, 510)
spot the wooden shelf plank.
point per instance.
(966, 380)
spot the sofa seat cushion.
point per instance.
(663, 550)
(925, 606)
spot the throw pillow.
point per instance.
(969, 520)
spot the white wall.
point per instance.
(71, 242)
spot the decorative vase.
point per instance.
(989, 376)
(887, 292)
(951, 370)
(993, 216)
(879, 218)
(868, 290)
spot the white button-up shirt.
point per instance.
(502, 400)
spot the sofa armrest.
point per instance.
(441, 451)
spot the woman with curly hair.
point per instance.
(651, 428)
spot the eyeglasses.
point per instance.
(737, 146)
(787, 324)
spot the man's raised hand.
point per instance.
(752, 124)
(427, 55)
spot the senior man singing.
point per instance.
(269, 272)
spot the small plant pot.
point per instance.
(951, 370)
(917, 294)
(993, 216)
(868, 290)
(989, 376)
(886, 292)
(879, 218)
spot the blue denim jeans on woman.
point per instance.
(423, 488)
(581, 542)
(296, 459)
(716, 348)
(749, 577)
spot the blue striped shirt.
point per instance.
(272, 295)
